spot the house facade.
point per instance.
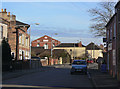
(113, 43)
(18, 38)
(3, 29)
(46, 42)
(94, 51)
(76, 50)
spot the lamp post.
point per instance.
(52, 43)
(74, 52)
(30, 41)
(30, 37)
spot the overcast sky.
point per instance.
(69, 19)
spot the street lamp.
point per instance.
(30, 41)
(52, 43)
(30, 37)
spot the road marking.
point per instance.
(35, 87)
(89, 76)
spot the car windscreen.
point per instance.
(79, 62)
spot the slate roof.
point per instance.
(21, 23)
(92, 46)
(69, 45)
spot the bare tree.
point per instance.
(101, 16)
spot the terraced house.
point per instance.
(17, 35)
(113, 43)
(3, 29)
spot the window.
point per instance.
(111, 34)
(20, 51)
(45, 40)
(1, 32)
(53, 45)
(13, 55)
(45, 37)
(46, 46)
(26, 42)
(23, 39)
(108, 35)
(26, 53)
(114, 29)
(20, 39)
(38, 45)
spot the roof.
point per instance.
(2, 20)
(117, 4)
(69, 45)
(43, 38)
(110, 20)
(92, 46)
(21, 23)
(79, 60)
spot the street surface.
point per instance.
(54, 78)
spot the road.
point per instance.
(55, 78)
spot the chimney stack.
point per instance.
(8, 13)
(1, 10)
(80, 44)
(4, 10)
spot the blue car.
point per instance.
(79, 66)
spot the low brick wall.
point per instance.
(21, 65)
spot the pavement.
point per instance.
(102, 80)
(18, 73)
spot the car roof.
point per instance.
(79, 60)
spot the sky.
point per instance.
(70, 20)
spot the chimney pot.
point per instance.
(4, 10)
(1, 10)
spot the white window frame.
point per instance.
(1, 32)
(23, 39)
(38, 45)
(26, 42)
(20, 39)
(45, 37)
(45, 46)
(45, 40)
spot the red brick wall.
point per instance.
(42, 42)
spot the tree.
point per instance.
(6, 55)
(101, 16)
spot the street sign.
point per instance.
(109, 46)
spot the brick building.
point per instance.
(4, 24)
(113, 43)
(18, 38)
(45, 42)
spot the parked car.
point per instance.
(79, 66)
(90, 61)
(35, 58)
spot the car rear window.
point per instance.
(79, 62)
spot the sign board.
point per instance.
(109, 46)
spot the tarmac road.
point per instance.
(55, 78)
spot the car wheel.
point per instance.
(71, 73)
(85, 73)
